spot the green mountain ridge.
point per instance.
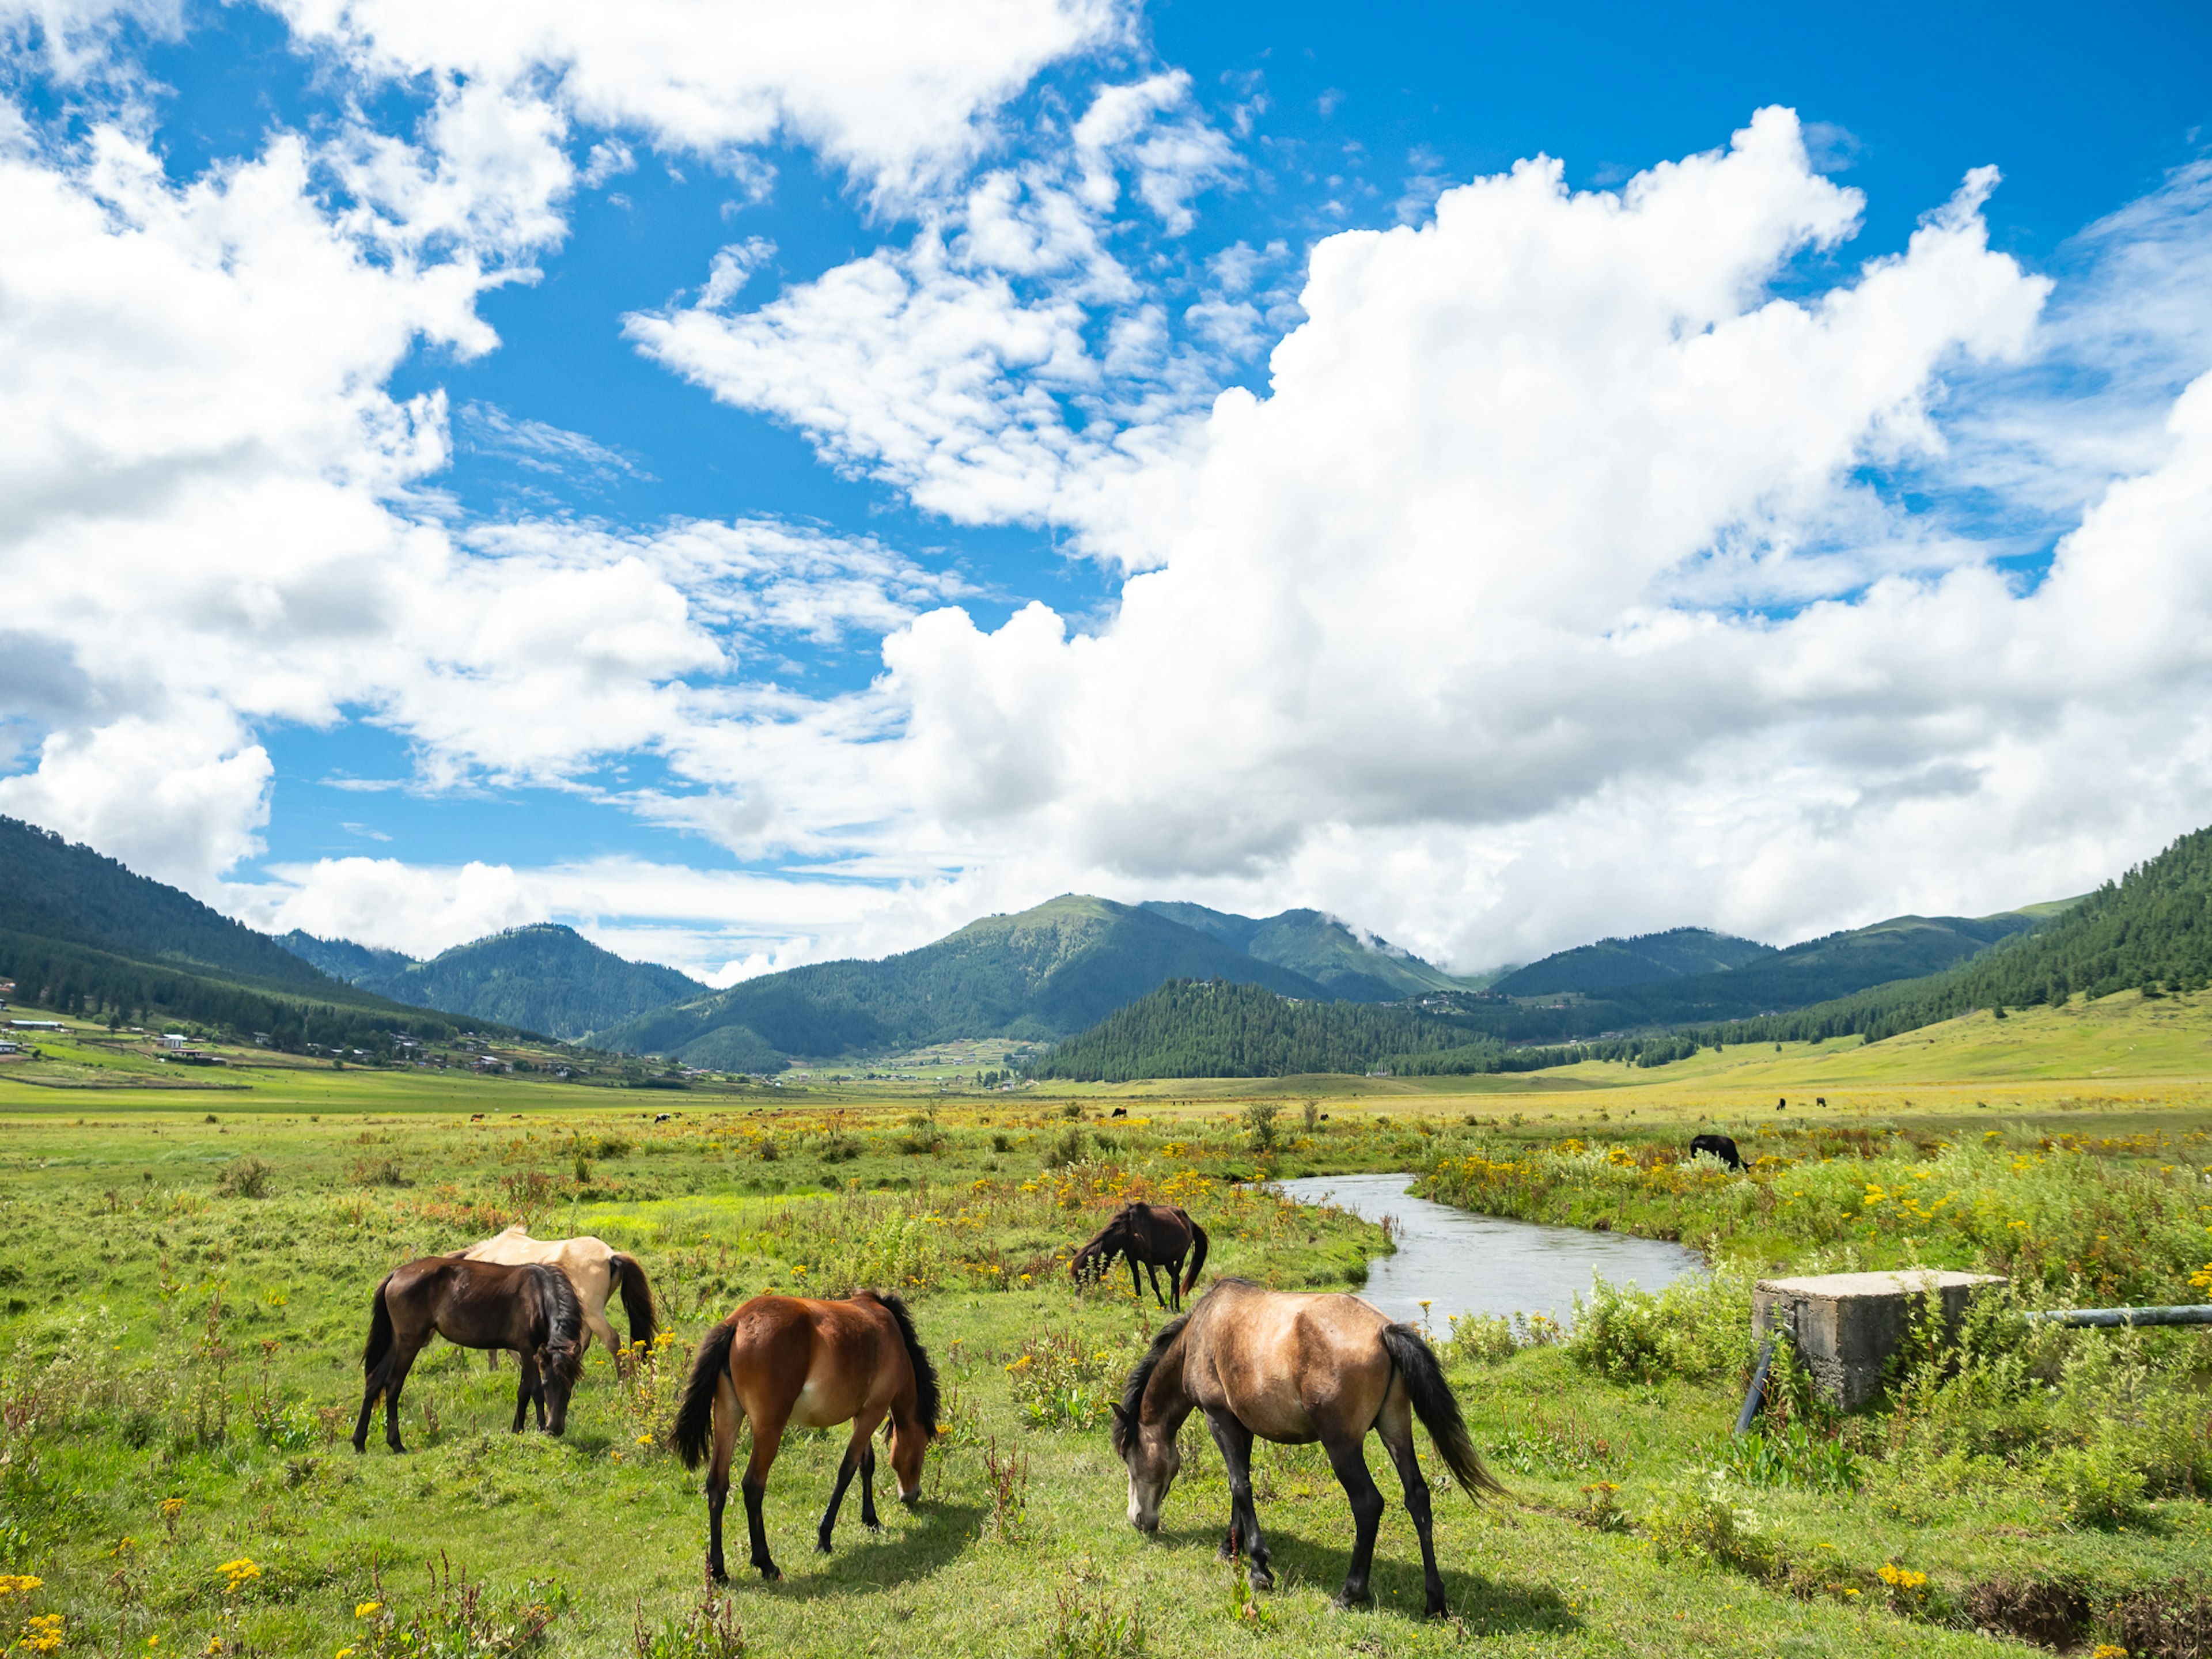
(1678, 953)
(1039, 975)
(81, 933)
(545, 977)
(1349, 965)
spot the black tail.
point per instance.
(925, 1374)
(695, 1416)
(637, 1297)
(1197, 1238)
(1438, 1411)
(380, 1335)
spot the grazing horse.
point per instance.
(1721, 1147)
(1294, 1368)
(473, 1304)
(1152, 1233)
(595, 1267)
(783, 1360)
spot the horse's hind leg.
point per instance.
(1397, 1431)
(1348, 1458)
(402, 1361)
(1175, 1282)
(1152, 1272)
(859, 1453)
(729, 1417)
(1235, 1443)
(768, 1438)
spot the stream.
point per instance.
(1465, 1263)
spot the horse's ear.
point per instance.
(1121, 1414)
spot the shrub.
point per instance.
(1695, 1328)
(1697, 1520)
(245, 1177)
(1260, 1123)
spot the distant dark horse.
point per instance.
(1721, 1147)
(1152, 1233)
(473, 1304)
(786, 1359)
(1295, 1369)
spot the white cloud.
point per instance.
(897, 92)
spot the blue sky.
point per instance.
(765, 496)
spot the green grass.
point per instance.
(164, 1338)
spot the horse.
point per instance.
(473, 1304)
(1153, 1234)
(1294, 1368)
(782, 1359)
(1721, 1147)
(594, 1268)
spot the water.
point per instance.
(1467, 1263)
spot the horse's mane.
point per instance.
(925, 1402)
(564, 1322)
(1132, 1391)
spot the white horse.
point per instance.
(594, 1268)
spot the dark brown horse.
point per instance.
(783, 1360)
(1294, 1368)
(1155, 1235)
(473, 1304)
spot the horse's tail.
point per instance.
(1198, 1238)
(1434, 1404)
(695, 1416)
(925, 1374)
(380, 1334)
(637, 1297)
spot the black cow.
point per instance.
(1721, 1147)
(1119, 1111)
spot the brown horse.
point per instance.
(1294, 1368)
(597, 1270)
(473, 1304)
(1153, 1234)
(782, 1359)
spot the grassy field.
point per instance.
(185, 1289)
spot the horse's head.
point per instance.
(908, 1445)
(560, 1358)
(1145, 1441)
(1149, 1451)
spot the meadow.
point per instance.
(185, 1288)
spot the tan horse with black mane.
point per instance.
(473, 1304)
(1294, 1368)
(785, 1359)
(595, 1267)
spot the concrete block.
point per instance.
(1846, 1325)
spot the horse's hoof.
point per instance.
(1437, 1610)
(1262, 1579)
(769, 1574)
(822, 1547)
(873, 1526)
(1345, 1601)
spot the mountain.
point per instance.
(81, 933)
(1678, 953)
(1350, 966)
(545, 978)
(341, 959)
(1042, 974)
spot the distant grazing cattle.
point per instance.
(476, 1117)
(1782, 1104)
(1721, 1147)
(1119, 1111)
(1820, 1100)
(660, 1117)
(1324, 1117)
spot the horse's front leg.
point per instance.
(1398, 1441)
(1136, 1284)
(1235, 1443)
(1348, 1456)
(857, 1452)
(526, 1386)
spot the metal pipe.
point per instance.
(2200, 1314)
(1752, 1401)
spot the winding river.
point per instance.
(1467, 1263)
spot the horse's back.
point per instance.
(822, 1362)
(1291, 1365)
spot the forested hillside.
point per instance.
(1043, 973)
(1190, 1029)
(81, 933)
(1678, 953)
(2150, 931)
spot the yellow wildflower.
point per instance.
(235, 1573)
(44, 1634)
(17, 1585)
(366, 1608)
